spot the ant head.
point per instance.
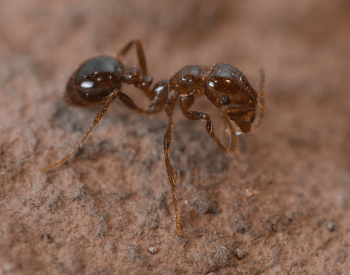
(95, 79)
(226, 85)
(188, 80)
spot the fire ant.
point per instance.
(98, 81)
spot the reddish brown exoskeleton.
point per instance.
(98, 82)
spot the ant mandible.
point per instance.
(98, 81)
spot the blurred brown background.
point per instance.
(280, 207)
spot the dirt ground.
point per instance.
(280, 206)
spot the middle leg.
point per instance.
(127, 101)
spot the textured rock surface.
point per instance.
(281, 207)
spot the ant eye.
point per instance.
(225, 100)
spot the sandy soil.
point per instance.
(281, 206)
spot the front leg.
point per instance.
(186, 103)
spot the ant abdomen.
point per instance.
(94, 81)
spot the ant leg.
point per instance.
(194, 115)
(167, 139)
(170, 171)
(140, 54)
(233, 140)
(187, 102)
(146, 80)
(234, 113)
(97, 119)
(261, 100)
(127, 101)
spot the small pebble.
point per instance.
(240, 254)
(80, 237)
(47, 238)
(289, 215)
(111, 246)
(273, 263)
(331, 226)
(152, 250)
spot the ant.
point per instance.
(98, 81)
